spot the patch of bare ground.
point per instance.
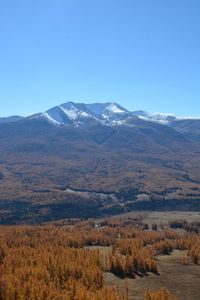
(181, 280)
(160, 217)
(165, 217)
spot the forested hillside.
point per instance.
(94, 166)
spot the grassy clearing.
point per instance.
(163, 217)
(179, 279)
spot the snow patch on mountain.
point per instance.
(161, 121)
(71, 113)
(115, 109)
(155, 117)
(47, 116)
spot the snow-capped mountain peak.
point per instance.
(109, 113)
(71, 112)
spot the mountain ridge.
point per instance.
(108, 113)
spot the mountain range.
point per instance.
(80, 159)
(110, 114)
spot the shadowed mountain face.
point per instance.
(10, 119)
(109, 160)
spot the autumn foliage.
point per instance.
(37, 263)
(62, 261)
(162, 294)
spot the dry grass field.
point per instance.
(161, 217)
(181, 280)
(165, 217)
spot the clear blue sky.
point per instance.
(143, 54)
